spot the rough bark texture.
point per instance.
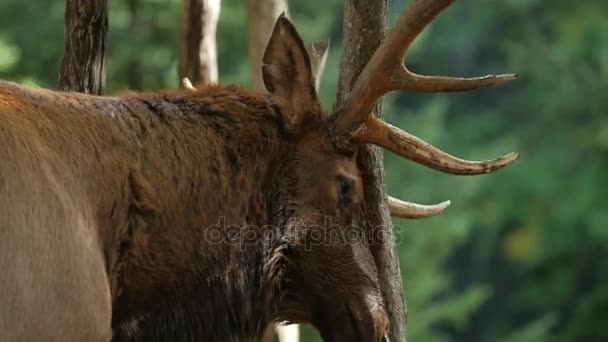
(83, 65)
(365, 24)
(198, 59)
(261, 17)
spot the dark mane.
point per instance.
(212, 304)
(224, 308)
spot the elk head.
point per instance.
(320, 199)
(321, 268)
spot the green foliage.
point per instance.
(521, 254)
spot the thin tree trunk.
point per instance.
(198, 60)
(365, 25)
(261, 17)
(83, 65)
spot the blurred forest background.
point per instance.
(521, 255)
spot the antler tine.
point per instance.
(380, 133)
(435, 84)
(318, 53)
(385, 71)
(410, 210)
(187, 84)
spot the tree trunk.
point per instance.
(198, 59)
(261, 17)
(365, 25)
(83, 65)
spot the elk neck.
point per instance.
(201, 226)
(163, 180)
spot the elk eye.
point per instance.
(345, 191)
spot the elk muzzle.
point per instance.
(362, 320)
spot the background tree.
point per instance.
(83, 65)
(261, 16)
(198, 59)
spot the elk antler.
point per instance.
(385, 72)
(411, 210)
(187, 84)
(318, 52)
(378, 132)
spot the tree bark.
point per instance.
(83, 65)
(261, 17)
(365, 25)
(198, 60)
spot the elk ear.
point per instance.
(287, 73)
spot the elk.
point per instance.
(204, 214)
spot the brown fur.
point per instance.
(108, 205)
